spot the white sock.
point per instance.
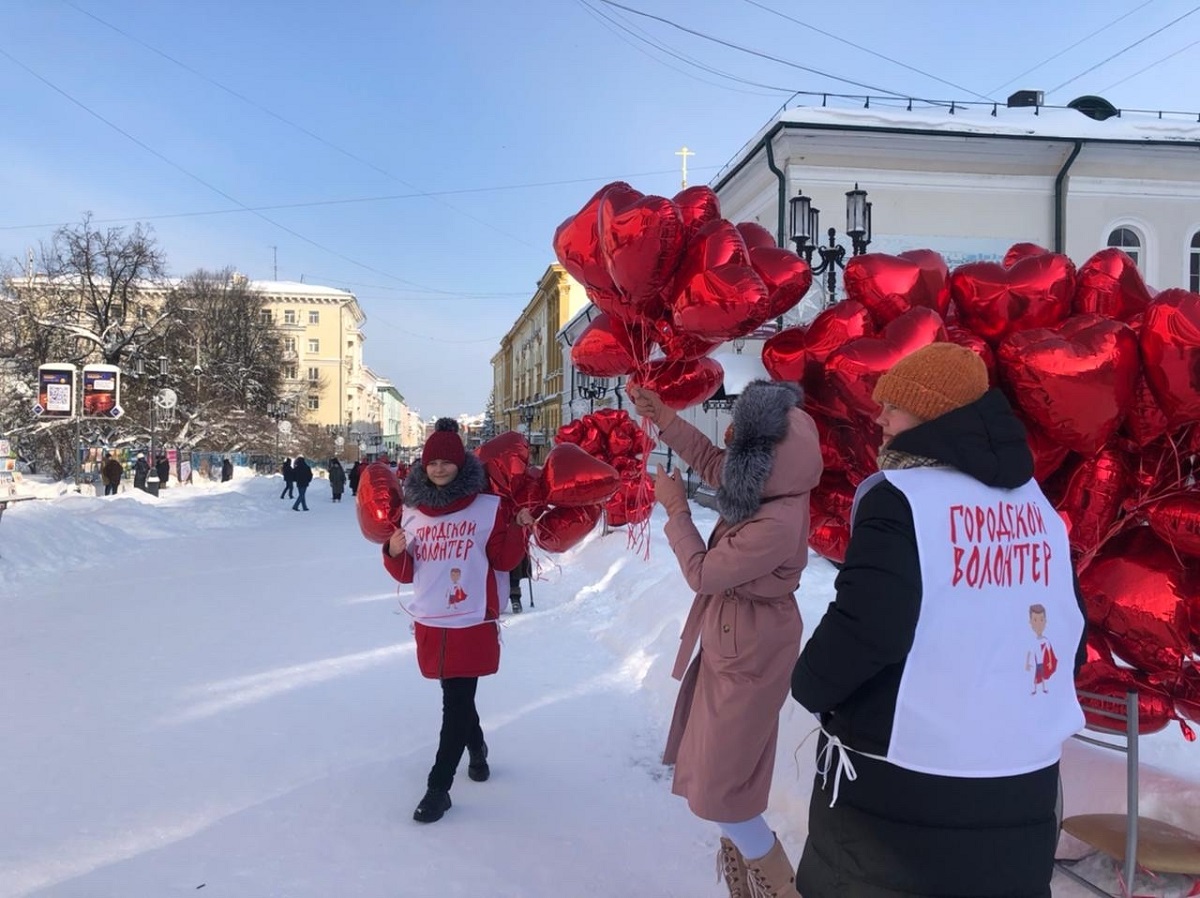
(753, 838)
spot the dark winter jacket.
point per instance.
(894, 832)
(337, 477)
(112, 471)
(301, 472)
(289, 473)
(470, 651)
(226, 470)
(163, 469)
(355, 473)
(140, 470)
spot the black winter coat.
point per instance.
(289, 473)
(301, 472)
(896, 833)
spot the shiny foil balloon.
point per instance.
(977, 345)
(834, 328)
(891, 285)
(714, 244)
(1145, 421)
(1019, 251)
(1176, 520)
(564, 527)
(1076, 380)
(505, 457)
(377, 502)
(575, 478)
(829, 507)
(529, 488)
(848, 448)
(994, 301)
(784, 355)
(1170, 340)
(577, 246)
(680, 346)
(853, 370)
(755, 234)
(1138, 591)
(1093, 498)
(721, 303)
(680, 384)
(599, 353)
(1186, 692)
(1048, 454)
(697, 207)
(787, 277)
(642, 242)
(1102, 677)
(1110, 284)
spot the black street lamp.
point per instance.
(806, 226)
(277, 412)
(591, 390)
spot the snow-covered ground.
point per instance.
(207, 690)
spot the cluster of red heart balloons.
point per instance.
(1104, 372)
(613, 437)
(673, 281)
(566, 494)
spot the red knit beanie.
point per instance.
(446, 445)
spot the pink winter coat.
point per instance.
(726, 723)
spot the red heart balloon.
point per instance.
(829, 507)
(1187, 692)
(755, 234)
(1075, 380)
(680, 384)
(976, 344)
(1102, 677)
(1145, 421)
(1138, 592)
(577, 246)
(1048, 454)
(680, 346)
(1111, 285)
(529, 488)
(890, 285)
(994, 301)
(834, 328)
(1176, 519)
(1093, 497)
(378, 502)
(697, 206)
(632, 503)
(721, 303)
(849, 448)
(564, 527)
(1019, 251)
(853, 370)
(714, 244)
(598, 352)
(786, 276)
(575, 478)
(641, 239)
(505, 457)
(784, 355)
(1170, 341)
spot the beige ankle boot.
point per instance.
(732, 866)
(772, 876)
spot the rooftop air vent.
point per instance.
(1026, 98)
(1094, 107)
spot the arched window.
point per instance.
(1128, 240)
(1194, 264)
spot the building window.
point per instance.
(289, 316)
(1194, 264)
(1128, 240)
(314, 345)
(314, 316)
(314, 402)
(289, 344)
(265, 317)
(289, 372)
(314, 375)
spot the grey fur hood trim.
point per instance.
(760, 422)
(420, 490)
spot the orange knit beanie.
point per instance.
(934, 380)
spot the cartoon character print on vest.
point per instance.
(455, 594)
(1040, 659)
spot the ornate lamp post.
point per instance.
(277, 412)
(806, 226)
(591, 390)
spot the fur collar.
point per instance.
(420, 491)
(760, 422)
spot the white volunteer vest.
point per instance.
(451, 569)
(972, 701)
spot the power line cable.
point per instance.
(175, 165)
(1147, 68)
(868, 50)
(1086, 37)
(750, 50)
(1126, 49)
(303, 130)
(616, 26)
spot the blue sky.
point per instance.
(424, 152)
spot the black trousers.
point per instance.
(460, 729)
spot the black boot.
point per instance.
(477, 765)
(516, 603)
(435, 803)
